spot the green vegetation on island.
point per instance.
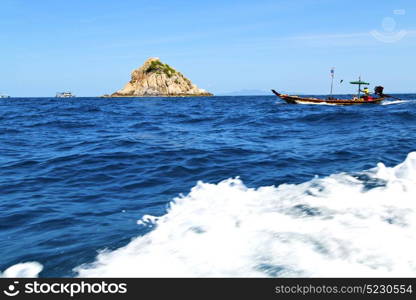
(159, 67)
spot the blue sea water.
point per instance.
(77, 174)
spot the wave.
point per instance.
(343, 225)
(335, 116)
(28, 269)
(394, 102)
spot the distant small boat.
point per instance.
(4, 96)
(367, 99)
(65, 95)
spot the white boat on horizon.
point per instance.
(65, 95)
(4, 96)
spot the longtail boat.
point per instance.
(308, 100)
(334, 101)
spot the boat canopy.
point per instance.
(359, 82)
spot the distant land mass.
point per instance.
(158, 79)
(255, 92)
(246, 92)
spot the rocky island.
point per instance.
(158, 79)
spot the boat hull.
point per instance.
(308, 100)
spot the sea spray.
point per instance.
(341, 225)
(333, 226)
(27, 269)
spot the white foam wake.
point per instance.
(334, 226)
(394, 102)
(28, 269)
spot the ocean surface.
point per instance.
(221, 186)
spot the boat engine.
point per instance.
(378, 90)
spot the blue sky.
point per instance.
(91, 47)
